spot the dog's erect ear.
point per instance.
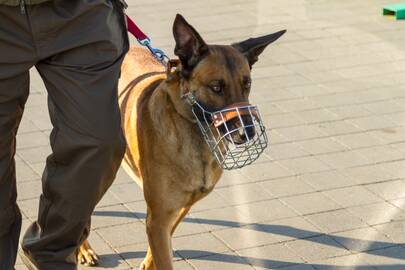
(253, 47)
(190, 47)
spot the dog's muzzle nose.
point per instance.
(236, 134)
(240, 129)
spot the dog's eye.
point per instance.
(216, 88)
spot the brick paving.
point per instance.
(329, 193)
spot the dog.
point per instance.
(167, 155)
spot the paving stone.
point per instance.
(225, 261)
(363, 239)
(322, 146)
(337, 128)
(211, 201)
(373, 122)
(368, 174)
(390, 135)
(351, 196)
(389, 258)
(29, 190)
(266, 171)
(122, 177)
(265, 233)
(32, 139)
(108, 200)
(380, 154)
(310, 203)
(317, 116)
(298, 267)
(343, 160)
(285, 151)
(201, 245)
(230, 178)
(275, 209)
(336, 221)
(287, 187)
(38, 167)
(29, 207)
(377, 213)
(317, 248)
(25, 172)
(384, 107)
(359, 140)
(299, 133)
(133, 254)
(350, 262)
(273, 256)
(395, 168)
(111, 215)
(389, 190)
(216, 219)
(36, 154)
(245, 193)
(394, 230)
(304, 165)
(125, 234)
(282, 120)
(183, 265)
(190, 226)
(39, 116)
(327, 180)
(350, 111)
(26, 126)
(128, 192)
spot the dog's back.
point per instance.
(140, 72)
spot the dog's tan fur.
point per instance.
(165, 150)
(166, 153)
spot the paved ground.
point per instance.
(330, 191)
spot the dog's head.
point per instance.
(219, 75)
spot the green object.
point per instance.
(395, 9)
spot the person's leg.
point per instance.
(81, 76)
(16, 57)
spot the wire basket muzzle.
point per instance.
(235, 135)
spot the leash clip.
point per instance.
(157, 53)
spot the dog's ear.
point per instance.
(253, 47)
(190, 47)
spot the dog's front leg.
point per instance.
(159, 225)
(147, 263)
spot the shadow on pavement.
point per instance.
(273, 229)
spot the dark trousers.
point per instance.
(77, 46)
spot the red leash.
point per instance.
(134, 29)
(144, 40)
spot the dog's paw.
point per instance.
(147, 264)
(86, 255)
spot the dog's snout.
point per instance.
(250, 132)
(241, 130)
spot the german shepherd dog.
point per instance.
(166, 153)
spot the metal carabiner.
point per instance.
(157, 53)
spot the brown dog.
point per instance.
(166, 153)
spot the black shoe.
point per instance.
(26, 260)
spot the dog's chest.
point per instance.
(203, 174)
